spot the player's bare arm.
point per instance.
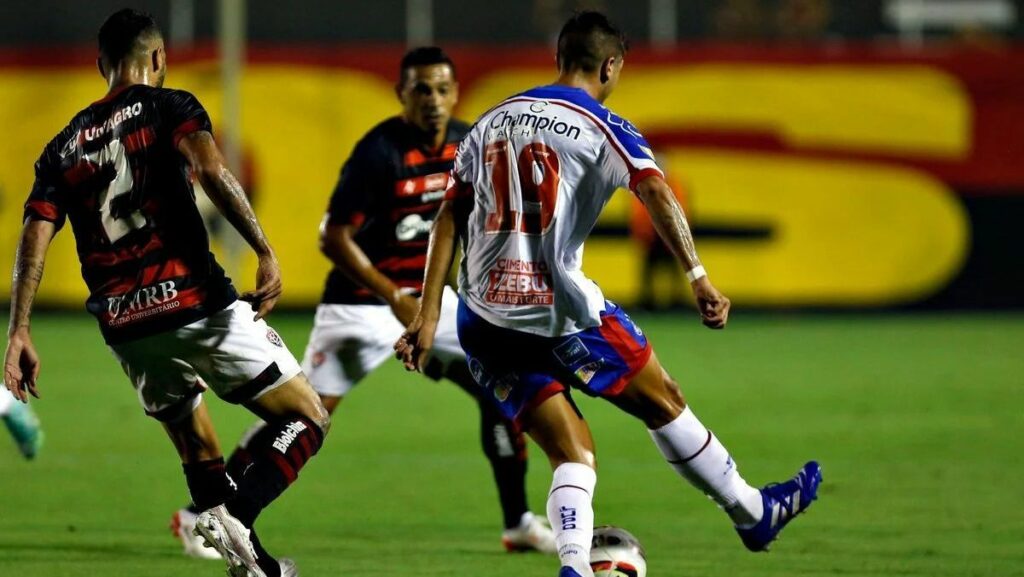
(337, 242)
(415, 344)
(21, 362)
(226, 192)
(670, 222)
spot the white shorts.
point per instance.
(350, 341)
(239, 358)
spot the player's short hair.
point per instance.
(588, 39)
(122, 32)
(424, 56)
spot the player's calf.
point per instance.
(278, 453)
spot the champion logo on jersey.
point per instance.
(274, 338)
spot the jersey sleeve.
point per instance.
(358, 184)
(462, 176)
(625, 157)
(184, 115)
(47, 200)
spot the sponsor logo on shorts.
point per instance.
(274, 338)
(476, 368)
(571, 351)
(288, 436)
(586, 373)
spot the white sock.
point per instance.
(6, 400)
(701, 459)
(571, 513)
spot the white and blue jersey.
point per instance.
(539, 168)
(533, 174)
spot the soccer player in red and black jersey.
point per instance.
(375, 233)
(121, 172)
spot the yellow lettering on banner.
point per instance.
(842, 233)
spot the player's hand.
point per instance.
(405, 308)
(413, 347)
(268, 287)
(21, 365)
(713, 305)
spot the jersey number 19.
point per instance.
(538, 188)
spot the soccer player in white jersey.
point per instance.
(529, 182)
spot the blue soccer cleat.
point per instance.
(23, 424)
(782, 502)
(568, 572)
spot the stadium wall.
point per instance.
(855, 177)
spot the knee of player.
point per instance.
(323, 420)
(573, 455)
(667, 406)
(318, 413)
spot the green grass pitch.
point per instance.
(918, 421)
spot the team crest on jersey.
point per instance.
(274, 338)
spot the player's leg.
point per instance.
(520, 385)
(700, 457)
(322, 366)
(245, 362)
(169, 389)
(195, 439)
(557, 426)
(692, 450)
(23, 424)
(503, 443)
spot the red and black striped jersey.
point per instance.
(390, 188)
(116, 173)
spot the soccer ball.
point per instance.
(615, 552)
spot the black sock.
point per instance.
(505, 447)
(207, 483)
(265, 560)
(238, 462)
(278, 453)
(241, 458)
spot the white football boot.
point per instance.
(231, 539)
(532, 534)
(183, 525)
(288, 568)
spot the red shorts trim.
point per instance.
(553, 388)
(620, 385)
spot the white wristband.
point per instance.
(695, 273)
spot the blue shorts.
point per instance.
(522, 370)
